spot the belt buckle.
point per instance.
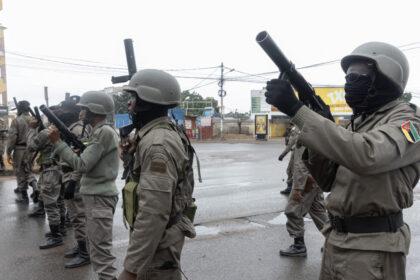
(336, 223)
(392, 223)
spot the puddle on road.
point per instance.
(282, 220)
(202, 230)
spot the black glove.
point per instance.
(281, 157)
(280, 94)
(70, 189)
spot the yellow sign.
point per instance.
(261, 124)
(334, 97)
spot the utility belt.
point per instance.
(387, 223)
(20, 146)
(45, 166)
(66, 169)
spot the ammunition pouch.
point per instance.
(190, 210)
(130, 203)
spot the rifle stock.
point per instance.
(288, 72)
(68, 137)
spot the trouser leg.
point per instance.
(348, 264)
(19, 170)
(99, 219)
(165, 264)
(76, 211)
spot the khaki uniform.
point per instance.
(50, 187)
(98, 164)
(370, 172)
(16, 145)
(293, 136)
(2, 136)
(313, 202)
(157, 239)
(75, 206)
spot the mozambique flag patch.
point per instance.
(410, 132)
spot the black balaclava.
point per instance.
(145, 112)
(366, 95)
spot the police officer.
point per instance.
(2, 138)
(306, 197)
(17, 154)
(98, 164)
(160, 163)
(69, 114)
(50, 184)
(290, 147)
(371, 168)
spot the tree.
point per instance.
(121, 102)
(406, 96)
(194, 104)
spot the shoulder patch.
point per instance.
(410, 132)
(158, 166)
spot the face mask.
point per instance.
(357, 88)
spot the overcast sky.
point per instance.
(87, 35)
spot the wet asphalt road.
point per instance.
(239, 224)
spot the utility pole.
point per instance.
(222, 93)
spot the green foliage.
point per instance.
(121, 102)
(194, 104)
(406, 96)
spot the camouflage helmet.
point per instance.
(23, 105)
(97, 102)
(155, 86)
(389, 61)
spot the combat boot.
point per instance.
(61, 228)
(55, 240)
(297, 249)
(82, 257)
(35, 191)
(22, 197)
(39, 211)
(288, 189)
(72, 253)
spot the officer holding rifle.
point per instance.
(370, 168)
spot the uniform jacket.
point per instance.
(17, 133)
(300, 170)
(98, 163)
(370, 172)
(294, 133)
(77, 129)
(159, 159)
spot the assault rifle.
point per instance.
(288, 72)
(39, 120)
(66, 134)
(128, 158)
